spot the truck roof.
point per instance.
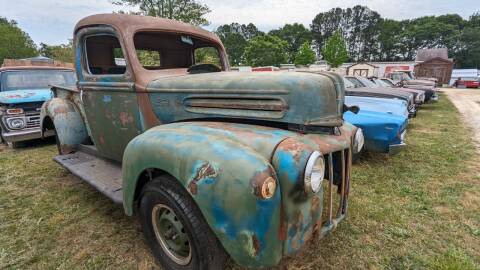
(130, 24)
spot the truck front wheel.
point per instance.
(175, 229)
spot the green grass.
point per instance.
(417, 210)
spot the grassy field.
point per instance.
(417, 210)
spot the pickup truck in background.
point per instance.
(23, 90)
(215, 163)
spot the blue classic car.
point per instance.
(383, 132)
(23, 90)
(384, 105)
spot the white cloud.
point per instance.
(52, 21)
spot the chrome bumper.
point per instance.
(25, 135)
(396, 148)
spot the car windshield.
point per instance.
(387, 82)
(382, 83)
(348, 84)
(36, 79)
(355, 82)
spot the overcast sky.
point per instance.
(52, 21)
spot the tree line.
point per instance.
(337, 35)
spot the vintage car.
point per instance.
(418, 95)
(430, 91)
(383, 105)
(406, 79)
(383, 132)
(359, 86)
(23, 90)
(467, 83)
(215, 163)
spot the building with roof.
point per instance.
(434, 63)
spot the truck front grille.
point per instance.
(338, 171)
(32, 120)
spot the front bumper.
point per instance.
(396, 148)
(25, 135)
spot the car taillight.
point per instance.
(14, 111)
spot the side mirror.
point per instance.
(354, 109)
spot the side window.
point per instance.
(207, 55)
(149, 59)
(104, 55)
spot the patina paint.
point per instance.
(25, 96)
(278, 97)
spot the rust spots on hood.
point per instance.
(203, 172)
(257, 181)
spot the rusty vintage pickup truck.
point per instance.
(216, 163)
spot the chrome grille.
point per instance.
(32, 121)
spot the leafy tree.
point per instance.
(266, 50)
(62, 52)
(305, 55)
(235, 38)
(360, 25)
(335, 50)
(469, 52)
(296, 35)
(189, 11)
(14, 43)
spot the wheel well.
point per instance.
(47, 124)
(146, 176)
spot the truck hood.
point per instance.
(25, 96)
(297, 98)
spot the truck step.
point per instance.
(105, 176)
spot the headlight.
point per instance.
(314, 173)
(16, 123)
(359, 141)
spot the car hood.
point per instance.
(371, 118)
(383, 105)
(25, 96)
(380, 92)
(266, 96)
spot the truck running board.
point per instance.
(105, 176)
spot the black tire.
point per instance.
(206, 252)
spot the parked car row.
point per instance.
(385, 108)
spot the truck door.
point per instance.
(107, 90)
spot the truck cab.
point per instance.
(23, 90)
(216, 163)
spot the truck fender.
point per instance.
(69, 125)
(223, 177)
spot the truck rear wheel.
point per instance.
(175, 229)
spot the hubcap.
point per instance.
(171, 234)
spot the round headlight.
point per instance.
(314, 172)
(359, 141)
(16, 123)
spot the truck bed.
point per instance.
(104, 175)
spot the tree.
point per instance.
(335, 50)
(62, 52)
(189, 11)
(360, 26)
(305, 55)
(235, 38)
(266, 50)
(14, 43)
(295, 35)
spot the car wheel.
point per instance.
(175, 229)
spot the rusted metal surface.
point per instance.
(238, 143)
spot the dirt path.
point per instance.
(468, 103)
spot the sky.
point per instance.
(52, 21)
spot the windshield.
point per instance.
(382, 83)
(355, 82)
(348, 84)
(387, 82)
(158, 51)
(36, 79)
